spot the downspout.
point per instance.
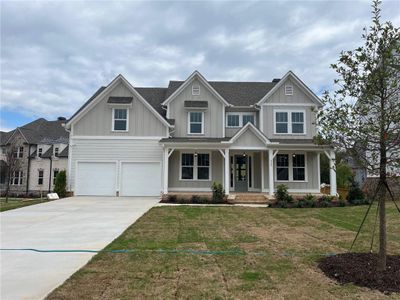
(29, 169)
(51, 165)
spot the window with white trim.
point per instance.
(120, 119)
(40, 177)
(56, 151)
(299, 167)
(288, 90)
(281, 122)
(289, 122)
(195, 166)
(236, 120)
(40, 152)
(291, 167)
(196, 125)
(19, 152)
(195, 90)
(16, 178)
(282, 167)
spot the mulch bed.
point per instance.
(360, 269)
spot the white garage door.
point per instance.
(140, 179)
(96, 178)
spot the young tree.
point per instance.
(60, 186)
(363, 114)
(11, 166)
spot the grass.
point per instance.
(281, 246)
(14, 203)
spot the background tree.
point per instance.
(60, 185)
(10, 166)
(362, 116)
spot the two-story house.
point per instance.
(41, 148)
(249, 136)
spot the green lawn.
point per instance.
(276, 255)
(18, 203)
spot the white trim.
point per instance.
(262, 170)
(195, 165)
(289, 90)
(195, 74)
(113, 120)
(202, 123)
(319, 168)
(261, 117)
(223, 121)
(114, 137)
(288, 104)
(290, 166)
(314, 97)
(247, 148)
(289, 123)
(240, 114)
(165, 170)
(189, 189)
(256, 131)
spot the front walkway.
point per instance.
(71, 223)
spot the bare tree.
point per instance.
(363, 114)
(12, 165)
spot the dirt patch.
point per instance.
(360, 269)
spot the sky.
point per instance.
(56, 54)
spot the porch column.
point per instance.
(332, 173)
(165, 177)
(271, 171)
(227, 170)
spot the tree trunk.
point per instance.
(382, 227)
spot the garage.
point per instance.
(140, 179)
(96, 178)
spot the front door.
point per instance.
(241, 173)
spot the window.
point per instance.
(288, 90)
(195, 90)
(289, 122)
(248, 119)
(17, 178)
(187, 166)
(299, 167)
(120, 120)
(203, 166)
(239, 119)
(3, 150)
(282, 167)
(19, 152)
(195, 166)
(196, 122)
(56, 150)
(233, 121)
(55, 173)
(40, 152)
(40, 177)
(281, 122)
(291, 167)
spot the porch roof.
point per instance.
(195, 140)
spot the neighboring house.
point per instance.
(42, 149)
(249, 136)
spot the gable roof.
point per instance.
(119, 79)
(195, 75)
(255, 130)
(305, 88)
(39, 131)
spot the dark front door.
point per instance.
(241, 172)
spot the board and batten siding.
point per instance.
(174, 182)
(98, 120)
(213, 116)
(112, 150)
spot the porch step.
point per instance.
(249, 198)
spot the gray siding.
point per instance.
(298, 95)
(248, 139)
(98, 120)
(174, 172)
(213, 121)
(113, 151)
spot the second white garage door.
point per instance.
(140, 179)
(96, 178)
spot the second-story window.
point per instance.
(196, 125)
(40, 152)
(56, 150)
(120, 119)
(239, 119)
(291, 122)
(233, 121)
(248, 119)
(19, 152)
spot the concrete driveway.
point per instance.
(70, 223)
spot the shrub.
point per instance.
(310, 200)
(218, 193)
(196, 199)
(60, 186)
(172, 198)
(301, 203)
(342, 203)
(344, 175)
(356, 195)
(282, 196)
(326, 201)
